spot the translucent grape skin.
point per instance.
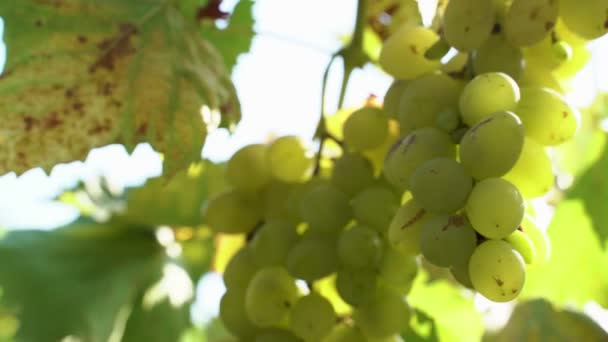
(533, 171)
(271, 293)
(230, 212)
(289, 160)
(352, 173)
(441, 185)
(233, 315)
(251, 158)
(529, 21)
(497, 55)
(366, 128)
(325, 208)
(275, 197)
(588, 20)
(360, 247)
(492, 147)
(412, 150)
(468, 23)
(539, 238)
(313, 257)
(356, 287)
(312, 317)
(392, 98)
(497, 271)
(447, 240)
(547, 117)
(406, 227)
(375, 206)
(522, 244)
(385, 314)
(495, 208)
(240, 269)
(272, 242)
(402, 54)
(486, 94)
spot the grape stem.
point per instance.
(353, 56)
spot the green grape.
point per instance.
(468, 23)
(386, 313)
(352, 173)
(375, 206)
(562, 51)
(588, 20)
(402, 53)
(271, 294)
(240, 269)
(247, 169)
(460, 272)
(497, 55)
(406, 227)
(522, 244)
(360, 247)
(312, 318)
(345, 333)
(441, 185)
(529, 21)
(233, 315)
(289, 160)
(313, 257)
(533, 172)
(497, 271)
(231, 212)
(546, 116)
(579, 57)
(447, 240)
(408, 153)
(495, 208)
(539, 238)
(275, 197)
(542, 55)
(356, 287)
(325, 208)
(458, 134)
(486, 94)
(298, 192)
(392, 98)
(398, 271)
(276, 335)
(424, 97)
(448, 119)
(365, 128)
(272, 242)
(492, 147)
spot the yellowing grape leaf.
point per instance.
(85, 73)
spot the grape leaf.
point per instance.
(538, 320)
(577, 270)
(79, 280)
(84, 73)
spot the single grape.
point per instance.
(460, 272)
(366, 128)
(424, 98)
(447, 240)
(468, 23)
(233, 315)
(289, 160)
(522, 244)
(448, 119)
(345, 333)
(385, 314)
(375, 206)
(533, 172)
(356, 287)
(360, 247)
(412, 150)
(352, 173)
(495, 208)
(297, 193)
(270, 296)
(392, 98)
(579, 57)
(402, 53)
(529, 21)
(497, 55)
(539, 238)
(312, 318)
(272, 242)
(492, 147)
(325, 208)
(398, 271)
(240, 269)
(406, 227)
(586, 19)
(441, 185)
(486, 94)
(497, 271)
(231, 212)
(276, 335)
(547, 117)
(275, 198)
(313, 257)
(562, 51)
(247, 169)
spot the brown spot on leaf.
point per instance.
(115, 48)
(52, 121)
(29, 122)
(211, 11)
(82, 39)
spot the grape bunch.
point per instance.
(443, 168)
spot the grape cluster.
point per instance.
(443, 169)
